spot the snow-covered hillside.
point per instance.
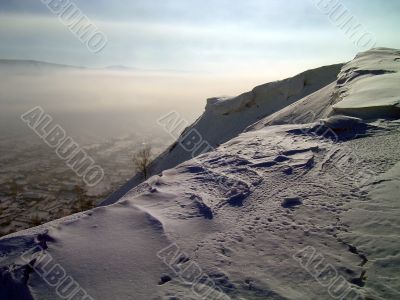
(226, 118)
(302, 210)
(368, 87)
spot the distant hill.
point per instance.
(34, 64)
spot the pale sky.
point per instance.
(266, 38)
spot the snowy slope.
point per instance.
(279, 212)
(368, 87)
(226, 118)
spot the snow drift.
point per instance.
(225, 118)
(278, 212)
(367, 87)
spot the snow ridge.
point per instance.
(279, 212)
(225, 118)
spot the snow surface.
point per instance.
(369, 85)
(224, 118)
(243, 213)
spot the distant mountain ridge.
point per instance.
(43, 64)
(35, 64)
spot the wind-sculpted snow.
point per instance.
(241, 212)
(342, 123)
(309, 109)
(100, 248)
(376, 225)
(226, 118)
(192, 205)
(367, 87)
(298, 211)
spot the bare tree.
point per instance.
(142, 160)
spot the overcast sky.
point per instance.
(207, 36)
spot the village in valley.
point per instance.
(37, 187)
